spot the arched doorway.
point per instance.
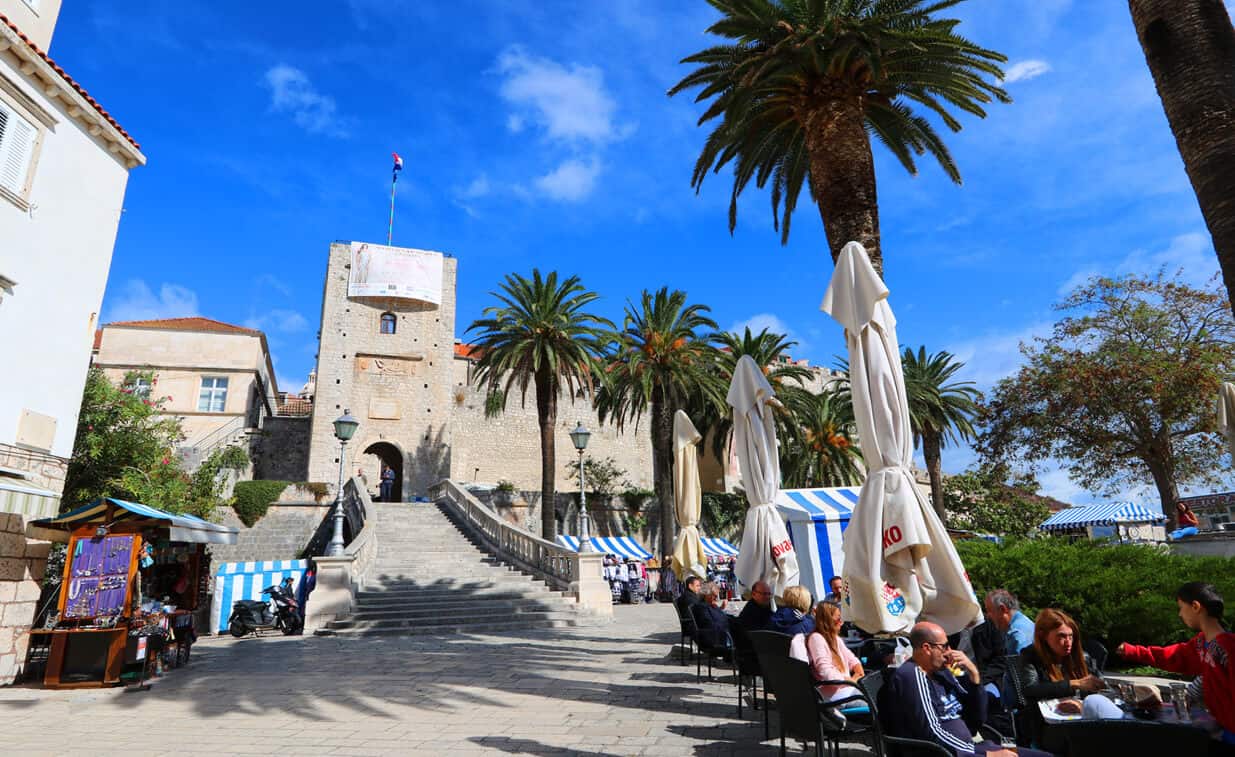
(390, 456)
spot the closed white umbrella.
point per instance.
(900, 565)
(1226, 415)
(765, 554)
(688, 554)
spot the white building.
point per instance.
(64, 164)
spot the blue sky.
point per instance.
(539, 134)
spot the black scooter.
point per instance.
(253, 615)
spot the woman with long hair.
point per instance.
(830, 659)
(1055, 667)
(1210, 654)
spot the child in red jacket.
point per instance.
(1210, 654)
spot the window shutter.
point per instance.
(16, 147)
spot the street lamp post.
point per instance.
(344, 428)
(580, 437)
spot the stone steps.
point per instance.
(429, 577)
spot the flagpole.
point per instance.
(390, 229)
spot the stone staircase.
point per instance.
(429, 577)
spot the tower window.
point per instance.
(388, 323)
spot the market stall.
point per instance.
(132, 578)
(625, 565)
(721, 555)
(816, 520)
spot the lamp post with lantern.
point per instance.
(344, 429)
(580, 438)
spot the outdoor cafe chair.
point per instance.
(768, 645)
(687, 639)
(722, 651)
(802, 712)
(747, 664)
(887, 745)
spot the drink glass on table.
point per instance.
(1127, 693)
(1179, 697)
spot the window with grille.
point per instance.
(17, 137)
(213, 396)
(140, 387)
(388, 323)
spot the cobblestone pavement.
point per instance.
(608, 690)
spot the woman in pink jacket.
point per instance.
(830, 659)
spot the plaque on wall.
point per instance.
(378, 365)
(384, 409)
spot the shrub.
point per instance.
(505, 487)
(634, 499)
(253, 498)
(318, 489)
(1115, 592)
(723, 512)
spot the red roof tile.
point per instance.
(195, 323)
(80, 90)
(470, 351)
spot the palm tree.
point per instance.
(770, 351)
(1190, 48)
(803, 85)
(939, 411)
(824, 452)
(664, 360)
(541, 334)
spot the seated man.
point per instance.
(689, 596)
(712, 621)
(757, 614)
(924, 699)
(836, 590)
(1003, 609)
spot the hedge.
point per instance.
(1115, 592)
(253, 498)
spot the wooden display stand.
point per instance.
(98, 583)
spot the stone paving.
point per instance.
(607, 690)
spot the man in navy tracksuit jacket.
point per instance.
(923, 699)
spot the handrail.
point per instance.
(223, 432)
(544, 559)
(363, 546)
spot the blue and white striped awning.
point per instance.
(1114, 513)
(832, 503)
(108, 510)
(623, 546)
(234, 581)
(717, 547)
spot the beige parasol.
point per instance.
(688, 556)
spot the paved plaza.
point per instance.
(606, 690)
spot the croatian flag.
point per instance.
(398, 161)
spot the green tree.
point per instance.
(664, 360)
(940, 411)
(824, 449)
(1190, 48)
(800, 86)
(541, 335)
(126, 448)
(983, 500)
(1123, 390)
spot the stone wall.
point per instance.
(397, 385)
(22, 562)
(42, 470)
(281, 451)
(282, 534)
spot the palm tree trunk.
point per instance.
(1190, 48)
(842, 174)
(662, 469)
(934, 466)
(546, 413)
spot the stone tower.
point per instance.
(386, 353)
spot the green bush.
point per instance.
(252, 498)
(723, 513)
(1115, 592)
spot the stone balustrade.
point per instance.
(581, 575)
(340, 578)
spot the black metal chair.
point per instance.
(686, 624)
(710, 652)
(1097, 652)
(747, 664)
(768, 645)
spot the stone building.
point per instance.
(64, 169)
(216, 378)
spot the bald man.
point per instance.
(926, 700)
(757, 614)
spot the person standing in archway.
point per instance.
(388, 483)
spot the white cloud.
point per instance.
(1025, 70)
(275, 283)
(772, 322)
(569, 103)
(137, 302)
(993, 356)
(1192, 252)
(479, 187)
(278, 321)
(571, 181)
(292, 92)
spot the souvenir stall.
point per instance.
(624, 565)
(133, 576)
(721, 556)
(816, 520)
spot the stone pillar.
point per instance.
(22, 563)
(590, 588)
(332, 596)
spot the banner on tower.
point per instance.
(382, 271)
